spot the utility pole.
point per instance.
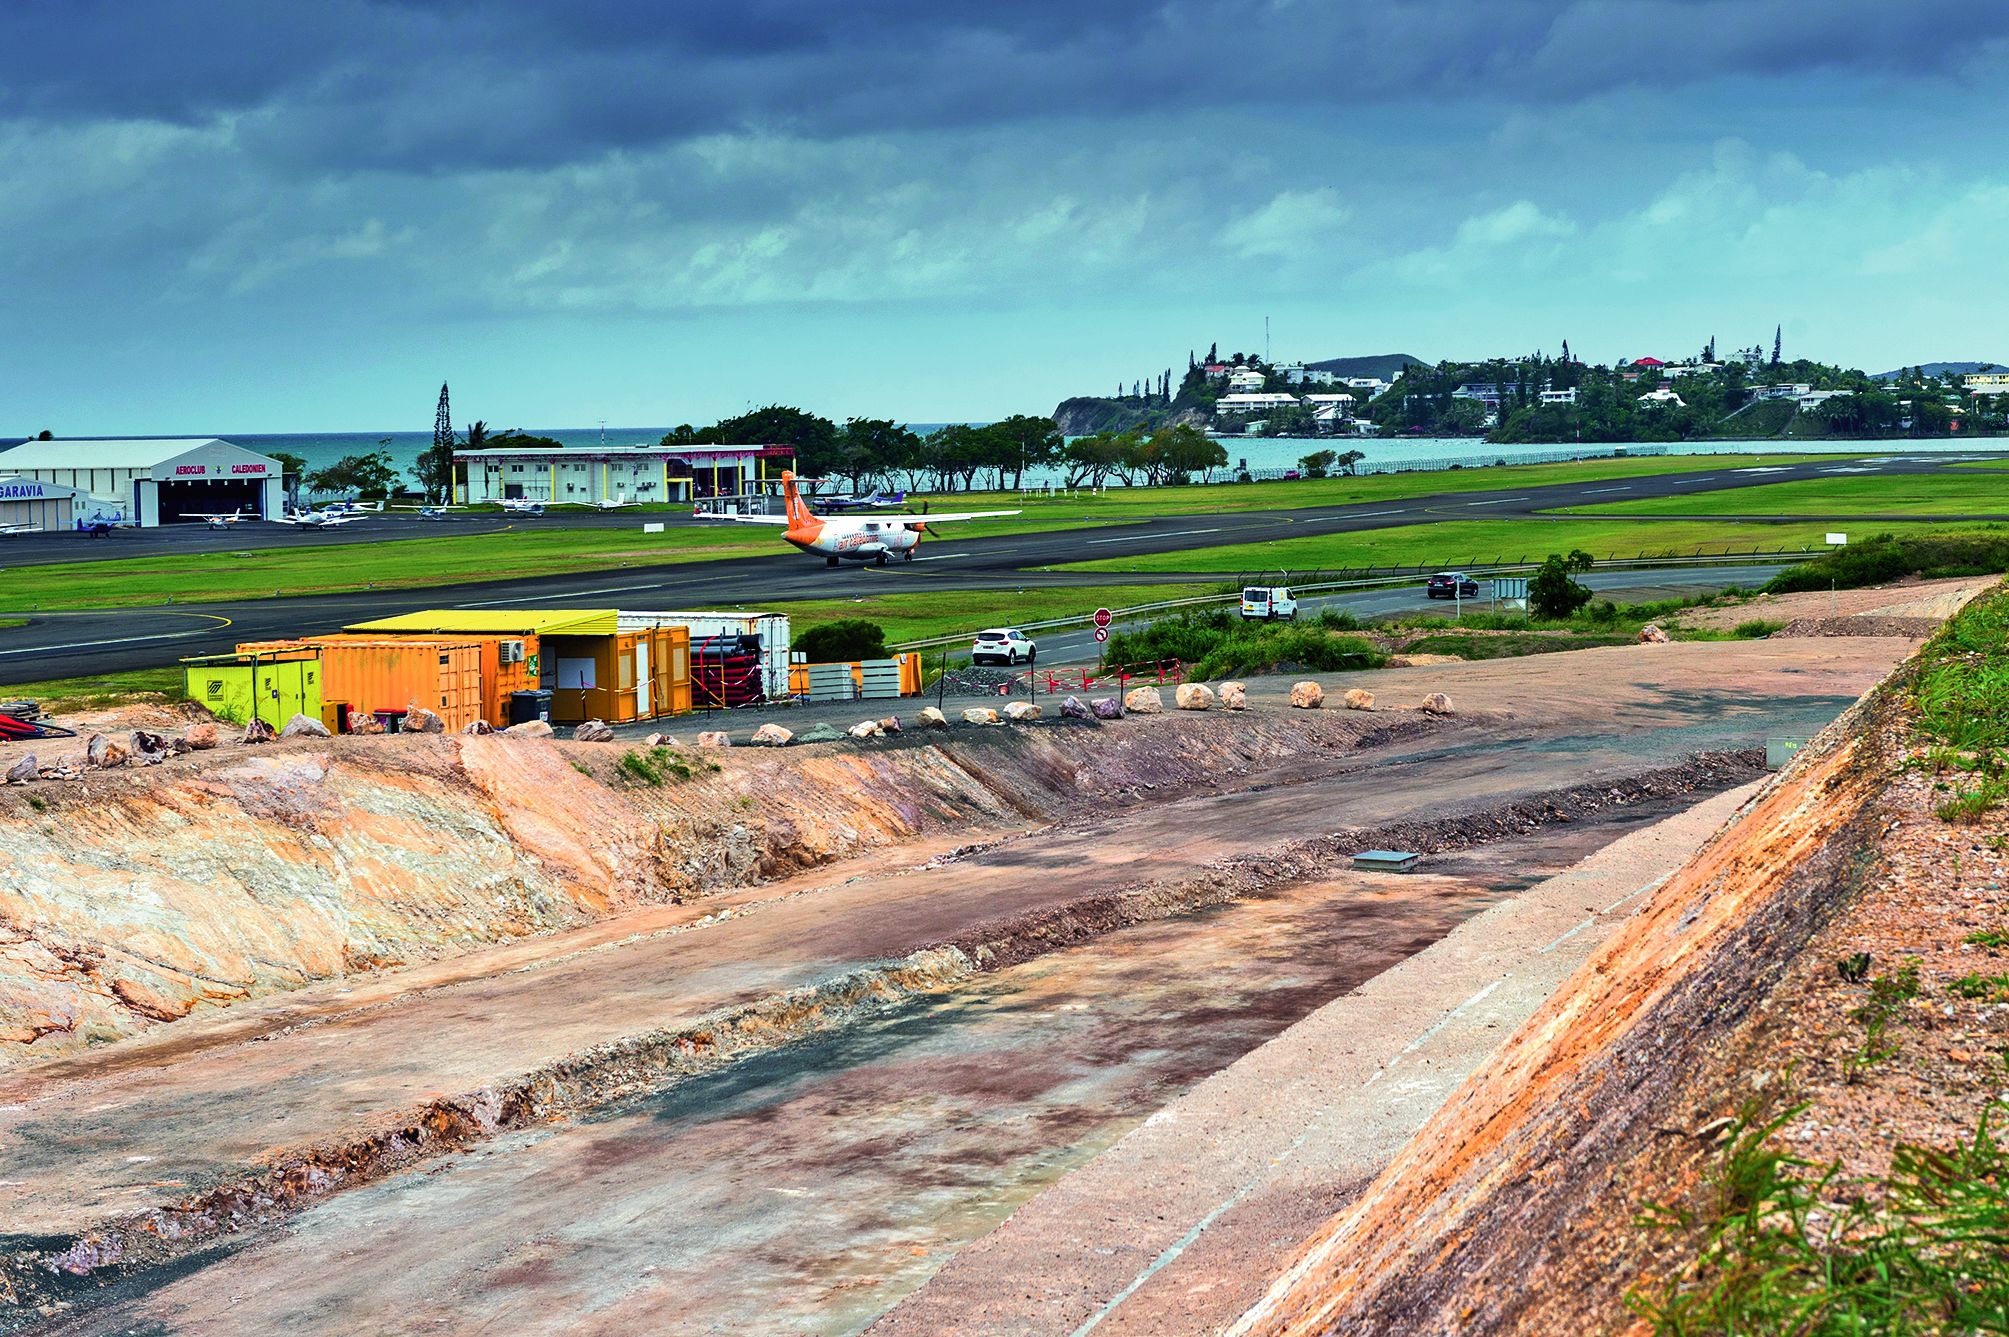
(1266, 341)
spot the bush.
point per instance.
(1755, 628)
(1263, 649)
(1551, 592)
(842, 642)
(1189, 637)
(1219, 643)
(1888, 557)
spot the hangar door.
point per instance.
(50, 513)
(209, 496)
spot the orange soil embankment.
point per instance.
(139, 897)
(1510, 1211)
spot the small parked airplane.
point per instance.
(432, 512)
(318, 519)
(522, 506)
(5, 530)
(355, 508)
(852, 539)
(604, 504)
(236, 517)
(876, 500)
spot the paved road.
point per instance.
(1078, 645)
(54, 645)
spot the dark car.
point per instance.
(1452, 585)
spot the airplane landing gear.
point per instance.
(882, 559)
(830, 561)
(907, 556)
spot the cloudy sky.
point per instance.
(234, 215)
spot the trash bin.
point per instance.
(532, 705)
(393, 721)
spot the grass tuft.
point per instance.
(1787, 1247)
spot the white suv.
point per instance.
(1269, 602)
(1003, 645)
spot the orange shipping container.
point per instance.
(373, 676)
(507, 664)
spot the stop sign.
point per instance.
(1102, 617)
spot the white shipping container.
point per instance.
(772, 628)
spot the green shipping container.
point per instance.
(276, 686)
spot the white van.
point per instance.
(1268, 602)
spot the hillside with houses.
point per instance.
(1750, 393)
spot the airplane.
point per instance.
(522, 506)
(621, 502)
(432, 512)
(317, 519)
(5, 530)
(354, 508)
(220, 521)
(851, 539)
(876, 500)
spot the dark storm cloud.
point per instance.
(453, 85)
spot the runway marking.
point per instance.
(1592, 492)
(1498, 501)
(1138, 538)
(222, 622)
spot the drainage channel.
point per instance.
(807, 1190)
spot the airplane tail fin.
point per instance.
(799, 514)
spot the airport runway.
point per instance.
(57, 645)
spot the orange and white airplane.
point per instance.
(852, 538)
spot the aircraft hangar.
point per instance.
(156, 482)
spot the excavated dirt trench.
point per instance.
(1535, 1170)
(562, 975)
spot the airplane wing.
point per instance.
(954, 515)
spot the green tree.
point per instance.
(1182, 450)
(1551, 592)
(814, 438)
(1091, 459)
(1318, 464)
(369, 475)
(1349, 459)
(842, 642)
(1021, 442)
(873, 448)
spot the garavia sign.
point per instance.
(31, 491)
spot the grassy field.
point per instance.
(6, 622)
(1140, 503)
(99, 690)
(1924, 494)
(1456, 543)
(388, 564)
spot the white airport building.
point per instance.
(32, 504)
(616, 473)
(148, 483)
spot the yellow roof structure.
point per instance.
(499, 622)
